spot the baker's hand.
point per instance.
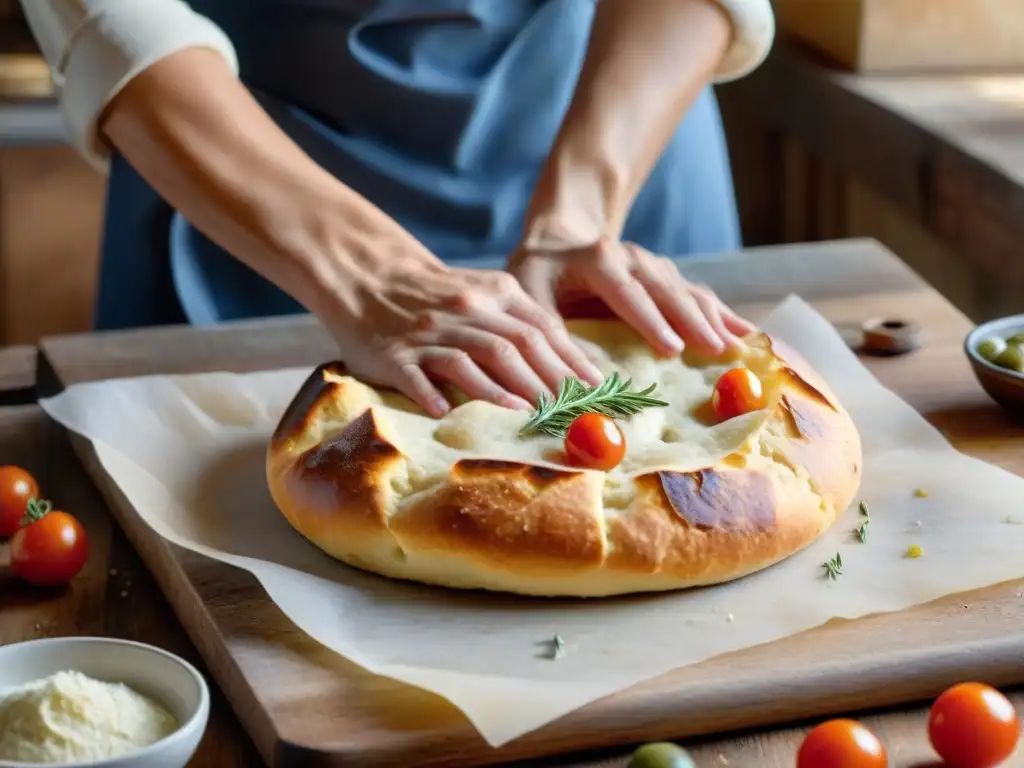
(420, 322)
(644, 290)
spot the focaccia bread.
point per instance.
(466, 502)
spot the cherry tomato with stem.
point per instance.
(50, 549)
(737, 391)
(16, 488)
(595, 441)
(972, 725)
(841, 743)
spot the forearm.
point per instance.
(197, 135)
(646, 63)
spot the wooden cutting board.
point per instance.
(305, 706)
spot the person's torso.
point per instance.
(440, 111)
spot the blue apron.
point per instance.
(441, 112)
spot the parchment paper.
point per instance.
(188, 452)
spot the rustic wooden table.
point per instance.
(848, 282)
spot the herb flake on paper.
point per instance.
(862, 531)
(557, 646)
(834, 567)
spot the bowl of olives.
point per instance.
(996, 352)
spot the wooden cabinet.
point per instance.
(51, 201)
(907, 35)
(51, 210)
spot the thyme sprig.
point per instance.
(612, 398)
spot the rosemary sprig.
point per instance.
(611, 397)
(834, 567)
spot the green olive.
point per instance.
(991, 348)
(1012, 357)
(661, 755)
(1016, 338)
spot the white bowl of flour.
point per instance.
(85, 702)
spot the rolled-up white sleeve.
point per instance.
(753, 23)
(95, 47)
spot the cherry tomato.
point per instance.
(972, 725)
(736, 392)
(595, 441)
(51, 550)
(841, 744)
(16, 487)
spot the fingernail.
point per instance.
(716, 343)
(515, 403)
(671, 339)
(440, 406)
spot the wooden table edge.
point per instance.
(18, 374)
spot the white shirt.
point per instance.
(95, 47)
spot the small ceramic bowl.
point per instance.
(163, 677)
(1003, 385)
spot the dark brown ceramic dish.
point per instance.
(1003, 385)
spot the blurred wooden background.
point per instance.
(51, 201)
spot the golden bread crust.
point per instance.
(374, 483)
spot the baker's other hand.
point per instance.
(416, 322)
(646, 291)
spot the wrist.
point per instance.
(344, 248)
(579, 200)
